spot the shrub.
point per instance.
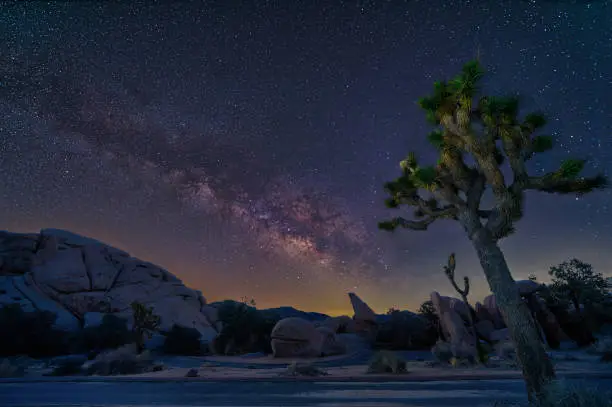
(144, 323)
(112, 333)
(603, 345)
(386, 362)
(8, 369)
(68, 366)
(31, 333)
(125, 360)
(183, 341)
(303, 369)
(406, 331)
(442, 352)
(245, 329)
(483, 350)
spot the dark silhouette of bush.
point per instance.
(112, 333)
(342, 329)
(245, 329)
(183, 341)
(406, 331)
(30, 333)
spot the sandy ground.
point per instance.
(208, 371)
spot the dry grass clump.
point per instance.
(122, 361)
(303, 369)
(387, 362)
(8, 369)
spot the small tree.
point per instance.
(145, 323)
(577, 282)
(449, 271)
(474, 139)
(428, 311)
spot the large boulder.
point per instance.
(330, 343)
(296, 337)
(490, 304)
(341, 324)
(77, 277)
(462, 341)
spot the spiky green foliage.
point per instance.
(476, 136)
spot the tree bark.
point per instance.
(576, 303)
(532, 357)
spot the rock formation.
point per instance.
(489, 322)
(79, 279)
(364, 317)
(297, 337)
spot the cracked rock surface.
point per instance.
(76, 277)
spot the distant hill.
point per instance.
(280, 312)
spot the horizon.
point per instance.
(332, 313)
(244, 149)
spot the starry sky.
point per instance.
(243, 145)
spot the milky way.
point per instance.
(245, 148)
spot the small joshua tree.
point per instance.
(480, 140)
(145, 323)
(449, 270)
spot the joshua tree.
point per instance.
(144, 323)
(449, 270)
(475, 138)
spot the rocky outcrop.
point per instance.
(454, 325)
(489, 323)
(79, 278)
(362, 311)
(341, 324)
(297, 337)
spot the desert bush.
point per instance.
(303, 369)
(245, 329)
(68, 366)
(563, 394)
(8, 369)
(442, 352)
(406, 331)
(31, 333)
(144, 323)
(483, 350)
(112, 333)
(121, 361)
(183, 341)
(603, 345)
(386, 362)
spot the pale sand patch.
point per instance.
(272, 360)
(415, 369)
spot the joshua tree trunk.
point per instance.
(576, 303)
(532, 357)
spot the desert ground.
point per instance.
(262, 381)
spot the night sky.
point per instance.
(243, 145)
